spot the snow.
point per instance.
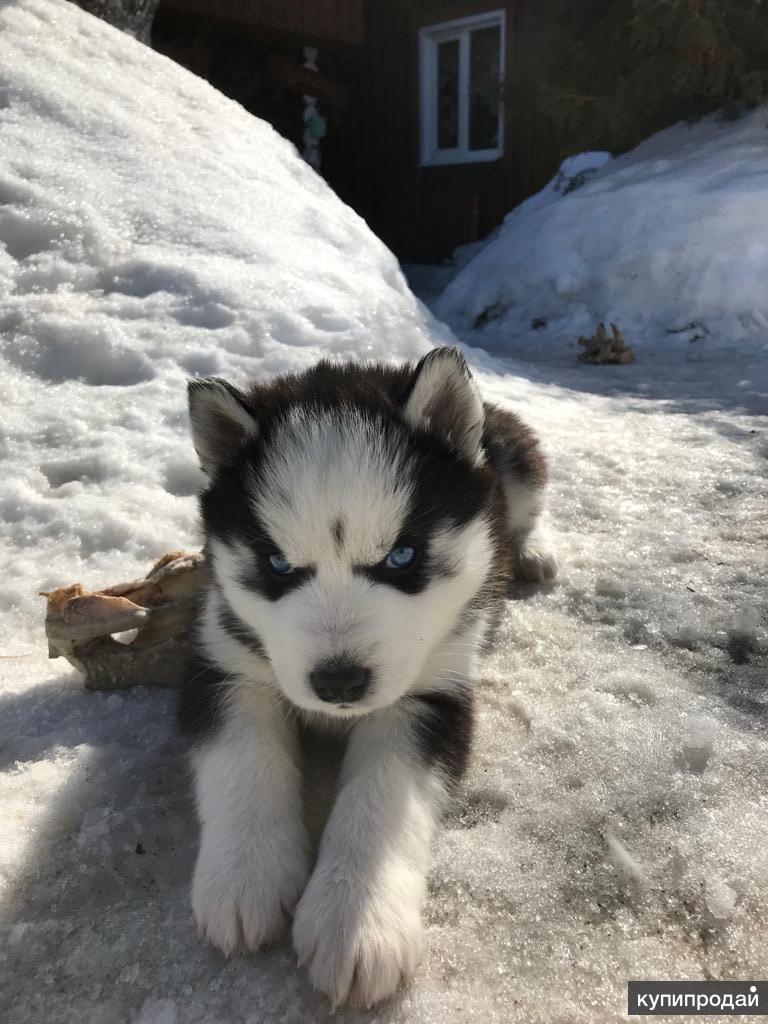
(615, 819)
(670, 234)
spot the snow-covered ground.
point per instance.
(615, 820)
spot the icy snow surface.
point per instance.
(615, 820)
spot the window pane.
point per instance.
(484, 70)
(448, 94)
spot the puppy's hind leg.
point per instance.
(532, 546)
(514, 451)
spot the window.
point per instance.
(461, 67)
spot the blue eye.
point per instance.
(280, 564)
(400, 558)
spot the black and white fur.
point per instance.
(330, 471)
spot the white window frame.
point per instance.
(429, 39)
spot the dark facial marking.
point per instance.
(234, 626)
(338, 531)
(411, 579)
(260, 577)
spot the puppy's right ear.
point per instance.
(221, 421)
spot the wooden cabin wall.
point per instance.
(423, 213)
(339, 20)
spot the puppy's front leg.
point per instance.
(253, 859)
(358, 925)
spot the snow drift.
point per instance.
(670, 233)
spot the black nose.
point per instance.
(340, 682)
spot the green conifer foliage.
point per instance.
(607, 73)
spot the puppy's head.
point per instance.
(347, 521)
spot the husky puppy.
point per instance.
(362, 523)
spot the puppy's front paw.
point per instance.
(246, 899)
(357, 941)
(535, 560)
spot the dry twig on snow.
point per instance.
(606, 348)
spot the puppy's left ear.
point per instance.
(444, 400)
(221, 422)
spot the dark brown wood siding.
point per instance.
(423, 213)
(341, 20)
